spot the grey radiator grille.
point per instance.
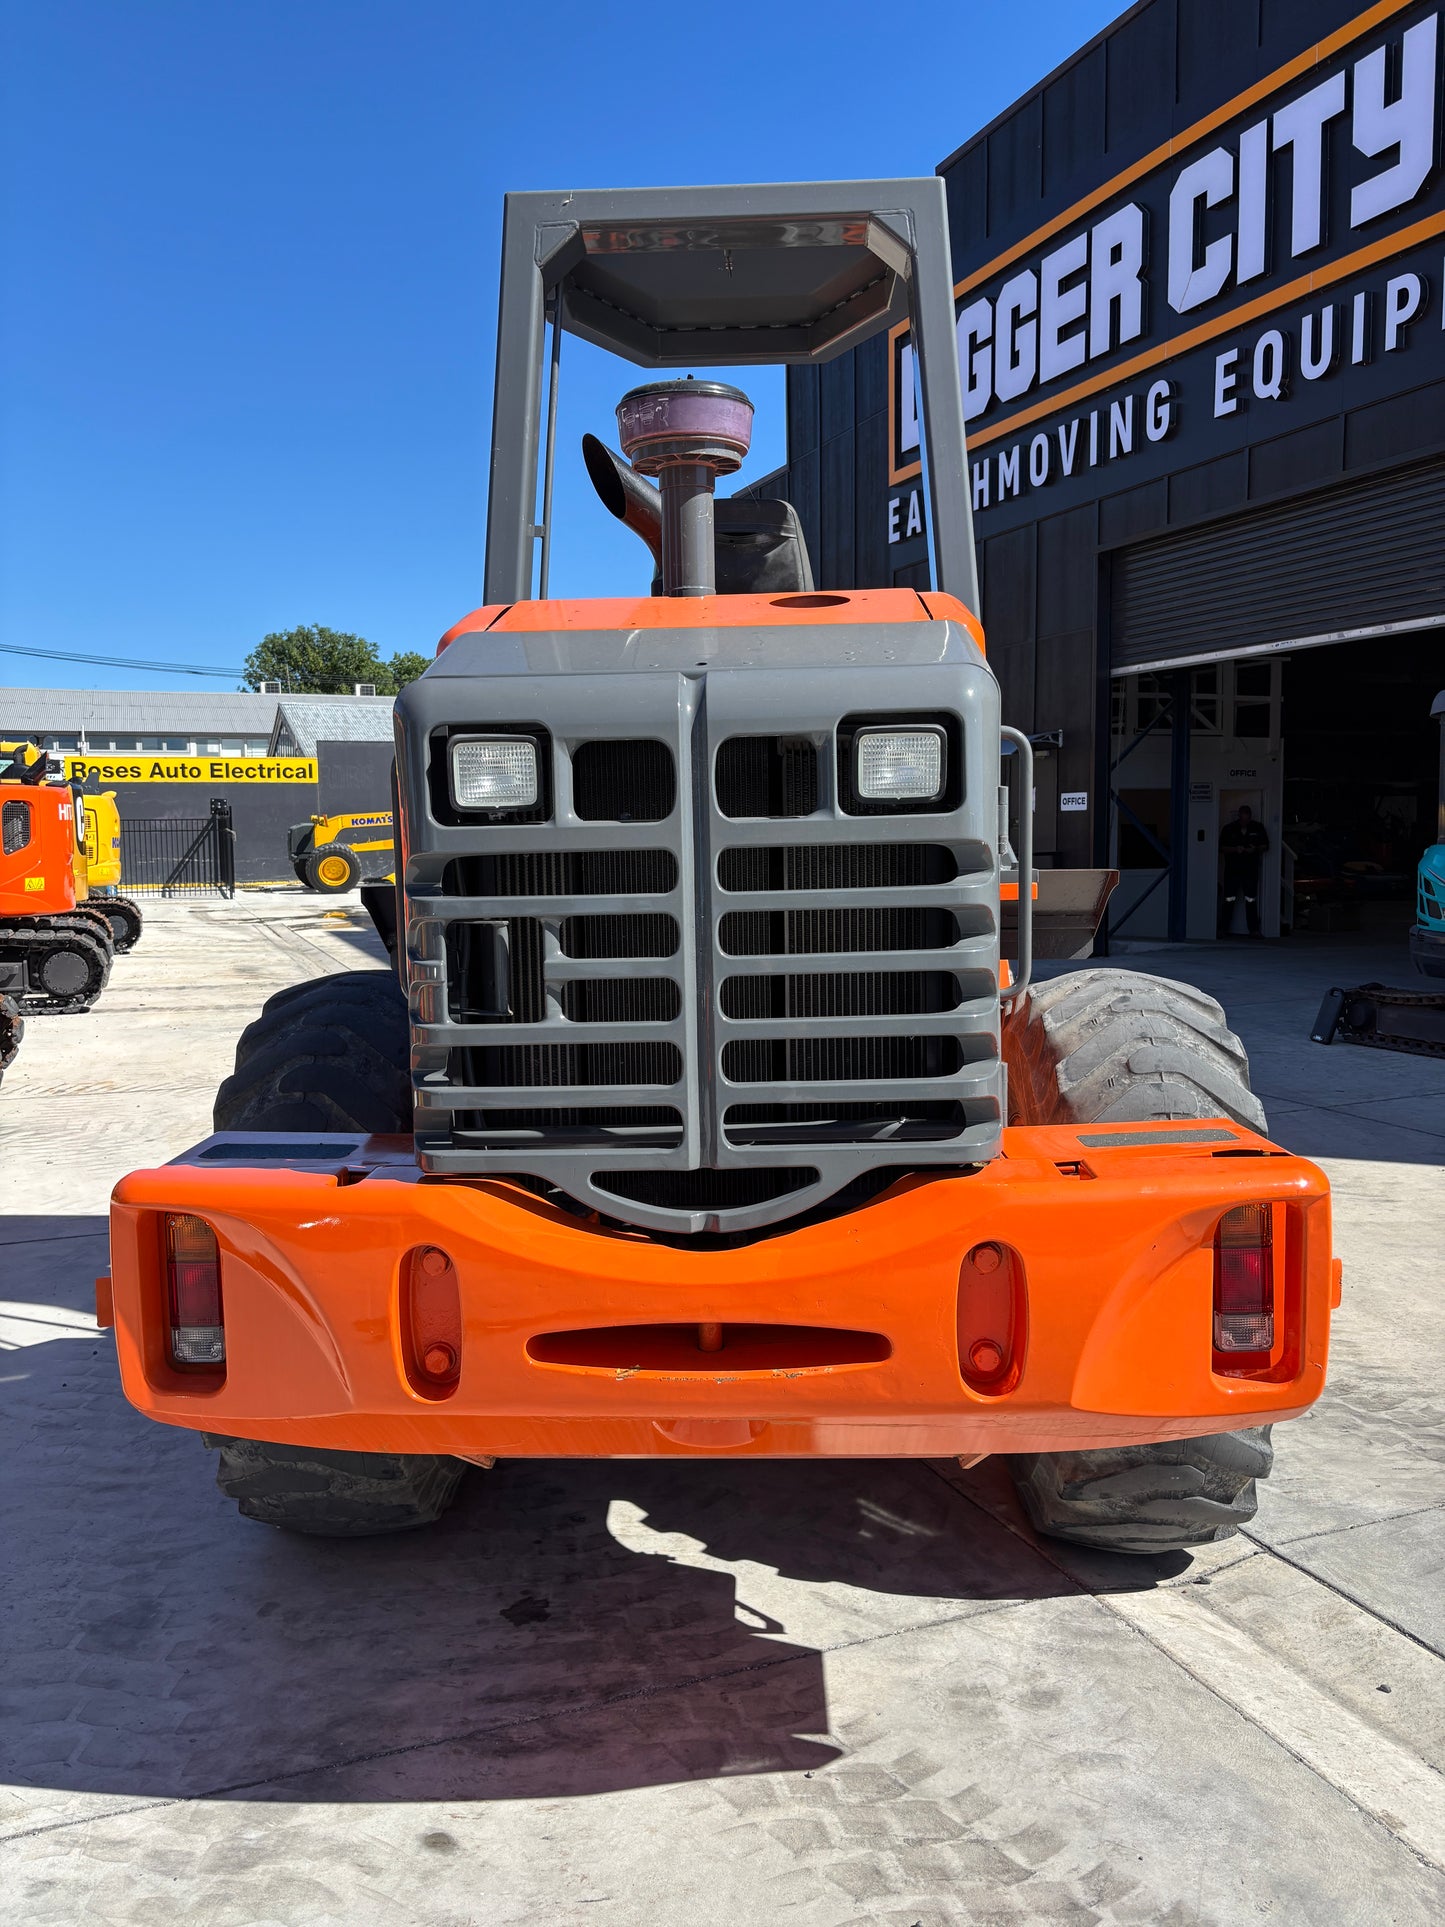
(701, 996)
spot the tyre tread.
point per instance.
(334, 1495)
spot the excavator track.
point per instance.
(89, 916)
(1380, 1017)
(66, 964)
(123, 914)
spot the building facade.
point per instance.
(1201, 322)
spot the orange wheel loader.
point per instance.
(702, 1116)
(55, 949)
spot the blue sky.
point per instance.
(249, 256)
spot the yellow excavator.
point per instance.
(335, 853)
(97, 868)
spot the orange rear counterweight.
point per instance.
(1059, 1297)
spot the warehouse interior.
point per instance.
(1335, 753)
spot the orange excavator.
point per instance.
(55, 949)
(702, 1114)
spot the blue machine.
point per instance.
(1427, 936)
(1410, 1020)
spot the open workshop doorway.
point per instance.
(1332, 750)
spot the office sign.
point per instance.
(1293, 234)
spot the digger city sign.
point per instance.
(1290, 234)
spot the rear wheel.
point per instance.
(331, 870)
(330, 1055)
(335, 1495)
(1146, 1498)
(1112, 1047)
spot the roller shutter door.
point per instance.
(1367, 557)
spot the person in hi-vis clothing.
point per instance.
(1242, 845)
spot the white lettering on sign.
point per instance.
(903, 523)
(1072, 801)
(1405, 127)
(1375, 119)
(1256, 371)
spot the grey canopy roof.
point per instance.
(304, 721)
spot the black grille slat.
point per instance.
(838, 1060)
(623, 782)
(873, 993)
(774, 776)
(704, 1190)
(621, 1000)
(546, 1066)
(562, 873)
(898, 1120)
(635, 1126)
(571, 1117)
(836, 866)
(792, 933)
(619, 936)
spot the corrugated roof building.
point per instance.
(304, 721)
(183, 722)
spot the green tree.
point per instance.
(313, 660)
(405, 667)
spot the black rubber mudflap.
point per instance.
(334, 1495)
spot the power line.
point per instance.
(121, 662)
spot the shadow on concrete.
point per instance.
(570, 1627)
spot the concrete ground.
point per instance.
(706, 1693)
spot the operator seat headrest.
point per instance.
(759, 545)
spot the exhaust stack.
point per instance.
(687, 433)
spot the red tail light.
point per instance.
(1244, 1281)
(193, 1291)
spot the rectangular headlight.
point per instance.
(899, 765)
(494, 773)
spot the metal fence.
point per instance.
(179, 856)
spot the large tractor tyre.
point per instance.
(329, 1055)
(125, 921)
(331, 870)
(335, 1495)
(1115, 1047)
(1146, 1498)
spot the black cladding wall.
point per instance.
(1196, 435)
